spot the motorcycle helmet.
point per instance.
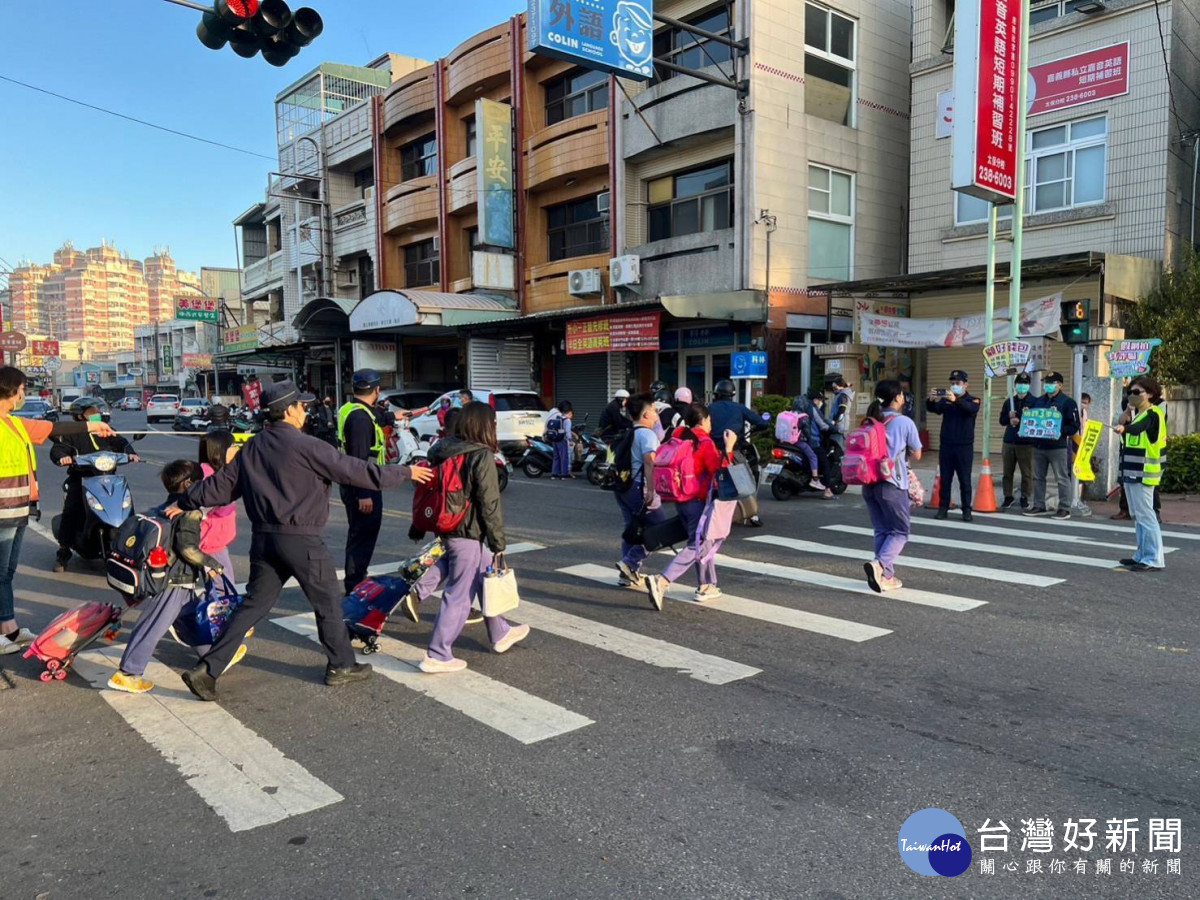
(622, 394)
(683, 395)
(724, 389)
(662, 393)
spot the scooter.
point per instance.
(595, 459)
(404, 449)
(790, 476)
(107, 502)
(538, 458)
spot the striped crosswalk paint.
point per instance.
(753, 609)
(980, 528)
(909, 562)
(243, 778)
(507, 709)
(1076, 559)
(837, 582)
(1092, 525)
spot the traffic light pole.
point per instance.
(199, 7)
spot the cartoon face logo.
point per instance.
(632, 35)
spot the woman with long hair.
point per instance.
(474, 542)
(1144, 446)
(887, 501)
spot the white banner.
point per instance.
(1038, 318)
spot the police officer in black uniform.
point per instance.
(956, 452)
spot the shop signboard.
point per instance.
(197, 360)
(252, 393)
(52, 363)
(43, 348)
(495, 173)
(1082, 78)
(613, 334)
(379, 355)
(615, 36)
(239, 338)
(198, 309)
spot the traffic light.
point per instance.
(250, 26)
(1076, 318)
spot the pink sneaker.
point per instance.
(515, 635)
(431, 666)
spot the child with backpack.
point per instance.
(632, 482)
(684, 469)
(186, 574)
(558, 436)
(791, 429)
(877, 457)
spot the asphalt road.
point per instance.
(769, 746)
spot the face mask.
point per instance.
(1022, 390)
(957, 390)
(96, 418)
(1052, 388)
(20, 404)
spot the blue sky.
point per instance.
(72, 173)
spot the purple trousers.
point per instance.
(691, 511)
(428, 583)
(562, 459)
(466, 561)
(890, 514)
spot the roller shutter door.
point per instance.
(583, 380)
(500, 365)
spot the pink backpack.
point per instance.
(675, 478)
(789, 426)
(866, 460)
(219, 528)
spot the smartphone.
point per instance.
(941, 392)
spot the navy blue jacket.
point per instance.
(958, 418)
(1070, 419)
(729, 415)
(1010, 430)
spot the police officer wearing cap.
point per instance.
(956, 451)
(283, 478)
(360, 435)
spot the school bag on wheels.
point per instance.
(367, 608)
(71, 633)
(866, 460)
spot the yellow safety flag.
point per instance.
(1087, 446)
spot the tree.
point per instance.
(1172, 312)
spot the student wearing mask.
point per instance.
(956, 453)
(1018, 451)
(1144, 444)
(1051, 454)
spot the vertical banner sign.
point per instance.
(1088, 443)
(987, 51)
(495, 173)
(167, 363)
(252, 394)
(615, 36)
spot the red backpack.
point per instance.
(866, 460)
(440, 504)
(675, 478)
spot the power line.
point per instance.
(1162, 43)
(111, 112)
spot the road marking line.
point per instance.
(976, 546)
(752, 609)
(837, 582)
(507, 709)
(1021, 533)
(41, 530)
(242, 777)
(1005, 575)
(1075, 522)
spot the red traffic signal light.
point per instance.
(249, 26)
(217, 27)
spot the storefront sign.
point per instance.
(1128, 359)
(242, 337)
(12, 341)
(197, 360)
(379, 355)
(987, 63)
(1083, 78)
(1089, 441)
(168, 364)
(43, 348)
(612, 334)
(252, 393)
(708, 336)
(614, 36)
(1043, 423)
(35, 371)
(493, 271)
(1007, 358)
(944, 127)
(52, 363)
(135, 371)
(1038, 317)
(748, 365)
(495, 173)
(197, 309)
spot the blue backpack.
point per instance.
(556, 429)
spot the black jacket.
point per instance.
(283, 475)
(1010, 431)
(186, 545)
(613, 420)
(958, 418)
(76, 445)
(485, 519)
(1070, 419)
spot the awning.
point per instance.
(252, 215)
(427, 312)
(325, 318)
(734, 306)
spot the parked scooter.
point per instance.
(107, 502)
(595, 457)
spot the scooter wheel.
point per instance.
(502, 474)
(838, 489)
(533, 470)
(780, 491)
(60, 675)
(47, 677)
(53, 666)
(592, 472)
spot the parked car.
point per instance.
(192, 415)
(519, 415)
(129, 403)
(83, 403)
(162, 407)
(37, 409)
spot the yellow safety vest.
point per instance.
(18, 467)
(1143, 460)
(380, 447)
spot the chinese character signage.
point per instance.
(1007, 358)
(1043, 423)
(43, 348)
(987, 52)
(614, 36)
(1094, 75)
(748, 365)
(168, 365)
(1128, 359)
(1088, 442)
(613, 334)
(197, 360)
(243, 337)
(495, 173)
(252, 394)
(197, 309)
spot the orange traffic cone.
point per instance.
(936, 500)
(985, 492)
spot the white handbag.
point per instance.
(499, 589)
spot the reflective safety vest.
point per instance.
(379, 448)
(18, 469)
(1143, 460)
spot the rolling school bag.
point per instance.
(367, 608)
(71, 633)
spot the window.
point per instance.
(469, 126)
(829, 65)
(472, 238)
(419, 158)
(830, 224)
(691, 202)
(1045, 10)
(421, 267)
(690, 50)
(1065, 168)
(576, 229)
(578, 92)
(363, 179)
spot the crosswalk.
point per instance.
(248, 783)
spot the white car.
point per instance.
(162, 407)
(519, 414)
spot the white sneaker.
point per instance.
(707, 592)
(657, 585)
(24, 637)
(7, 646)
(431, 666)
(816, 485)
(515, 635)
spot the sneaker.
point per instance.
(475, 616)
(237, 657)
(8, 646)
(967, 517)
(1035, 511)
(1009, 503)
(1129, 561)
(1138, 567)
(130, 684)
(1024, 503)
(25, 637)
(816, 485)
(708, 592)
(515, 635)
(628, 573)
(335, 676)
(942, 514)
(874, 575)
(657, 585)
(1061, 513)
(756, 522)
(828, 495)
(891, 584)
(200, 683)
(22, 638)
(431, 666)
(409, 606)
(60, 564)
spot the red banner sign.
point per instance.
(251, 393)
(611, 334)
(43, 348)
(1094, 75)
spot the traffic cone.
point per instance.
(936, 500)
(985, 491)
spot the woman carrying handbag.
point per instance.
(472, 542)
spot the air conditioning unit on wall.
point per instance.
(625, 270)
(584, 282)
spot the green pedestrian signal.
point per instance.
(1076, 322)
